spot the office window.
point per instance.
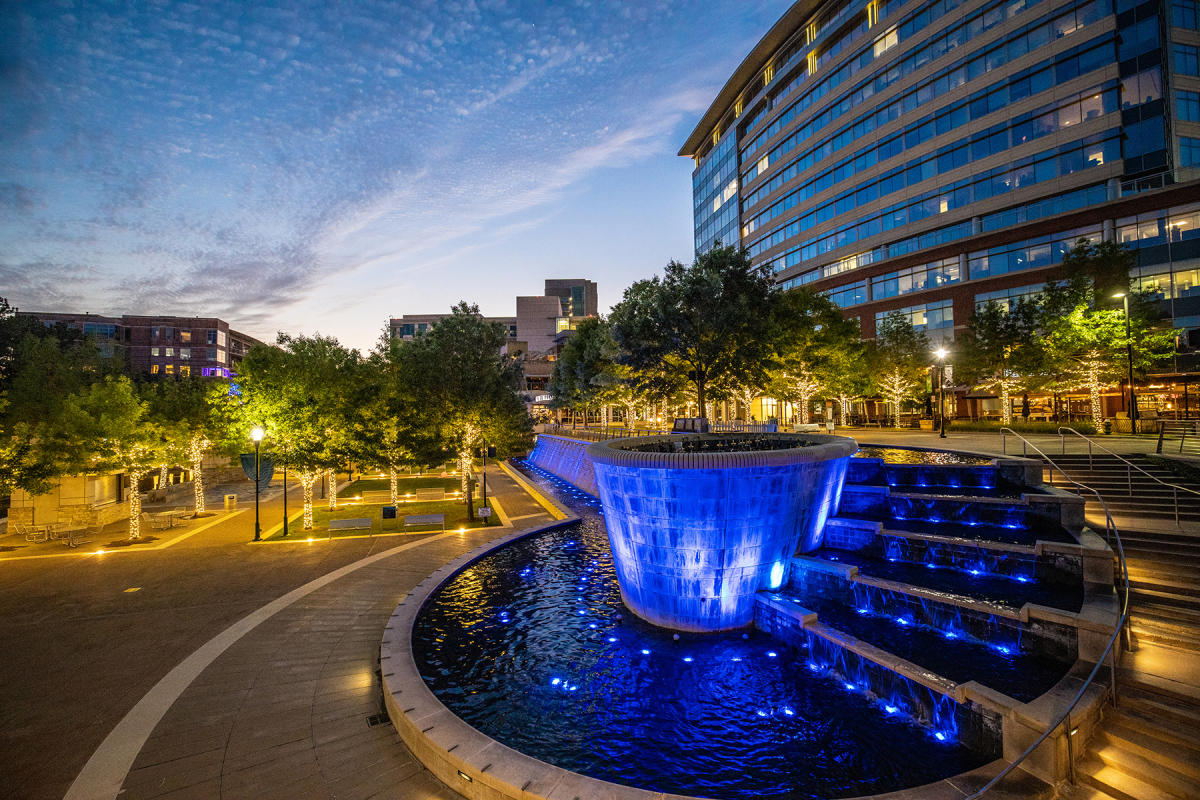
(210, 336)
(1187, 59)
(185, 352)
(154, 369)
(169, 369)
(154, 351)
(220, 338)
(185, 370)
(1009, 297)
(1183, 14)
(185, 336)
(1187, 105)
(170, 352)
(1189, 152)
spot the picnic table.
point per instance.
(417, 520)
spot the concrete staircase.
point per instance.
(1130, 493)
(1146, 749)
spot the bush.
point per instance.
(1086, 428)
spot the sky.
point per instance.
(321, 167)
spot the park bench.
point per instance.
(417, 520)
(356, 524)
(377, 496)
(430, 494)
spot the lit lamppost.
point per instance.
(256, 435)
(940, 353)
(1133, 411)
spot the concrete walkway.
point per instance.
(87, 638)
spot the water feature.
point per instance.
(532, 645)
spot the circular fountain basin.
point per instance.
(698, 524)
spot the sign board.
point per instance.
(484, 512)
(389, 512)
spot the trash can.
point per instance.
(231, 502)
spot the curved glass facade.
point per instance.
(925, 157)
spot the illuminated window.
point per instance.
(185, 352)
(153, 351)
(154, 369)
(185, 336)
(220, 338)
(185, 370)
(170, 352)
(169, 369)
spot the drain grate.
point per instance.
(375, 720)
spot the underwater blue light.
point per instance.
(814, 666)
(974, 572)
(901, 621)
(687, 659)
(592, 625)
(736, 658)
(789, 711)
(863, 610)
(771, 654)
(555, 681)
(581, 612)
(850, 686)
(941, 737)
(645, 652)
(761, 713)
(951, 635)
(890, 709)
(1003, 649)
(612, 638)
(573, 688)
(776, 578)
(1022, 579)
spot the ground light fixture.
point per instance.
(257, 435)
(1133, 415)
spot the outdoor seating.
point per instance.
(423, 520)
(159, 522)
(430, 494)
(358, 523)
(374, 496)
(32, 533)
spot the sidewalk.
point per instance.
(280, 701)
(995, 444)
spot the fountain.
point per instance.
(712, 622)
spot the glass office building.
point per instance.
(927, 157)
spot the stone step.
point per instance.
(1163, 585)
(1174, 639)
(1132, 764)
(1184, 616)
(1112, 781)
(1155, 695)
(1139, 719)
(1151, 745)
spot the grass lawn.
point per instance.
(456, 517)
(361, 485)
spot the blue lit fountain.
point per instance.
(806, 624)
(699, 524)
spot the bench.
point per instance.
(430, 494)
(372, 496)
(416, 520)
(356, 524)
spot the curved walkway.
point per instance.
(284, 702)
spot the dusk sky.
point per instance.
(321, 167)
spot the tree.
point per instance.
(844, 371)
(199, 416)
(106, 427)
(1001, 351)
(813, 341)
(471, 391)
(303, 391)
(708, 324)
(900, 355)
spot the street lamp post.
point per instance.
(1133, 410)
(256, 435)
(941, 379)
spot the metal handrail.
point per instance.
(1129, 467)
(1109, 653)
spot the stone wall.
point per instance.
(566, 458)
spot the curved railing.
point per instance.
(1114, 540)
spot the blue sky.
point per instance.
(323, 166)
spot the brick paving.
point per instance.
(282, 712)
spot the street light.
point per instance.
(1129, 352)
(256, 434)
(940, 354)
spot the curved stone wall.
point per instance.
(566, 458)
(695, 535)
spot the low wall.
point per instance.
(566, 458)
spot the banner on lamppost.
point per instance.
(266, 468)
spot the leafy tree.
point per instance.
(106, 427)
(707, 324)
(471, 391)
(810, 336)
(844, 371)
(586, 373)
(900, 354)
(303, 392)
(1001, 351)
(199, 416)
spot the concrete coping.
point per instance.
(809, 448)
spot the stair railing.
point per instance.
(1110, 653)
(1129, 468)
(1168, 429)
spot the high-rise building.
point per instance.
(578, 295)
(162, 345)
(929, 157)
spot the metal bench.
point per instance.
(416, 520)
(372, 496)
(356, 524)
(430, 494)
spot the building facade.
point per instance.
(161, 345)
(928, 157)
